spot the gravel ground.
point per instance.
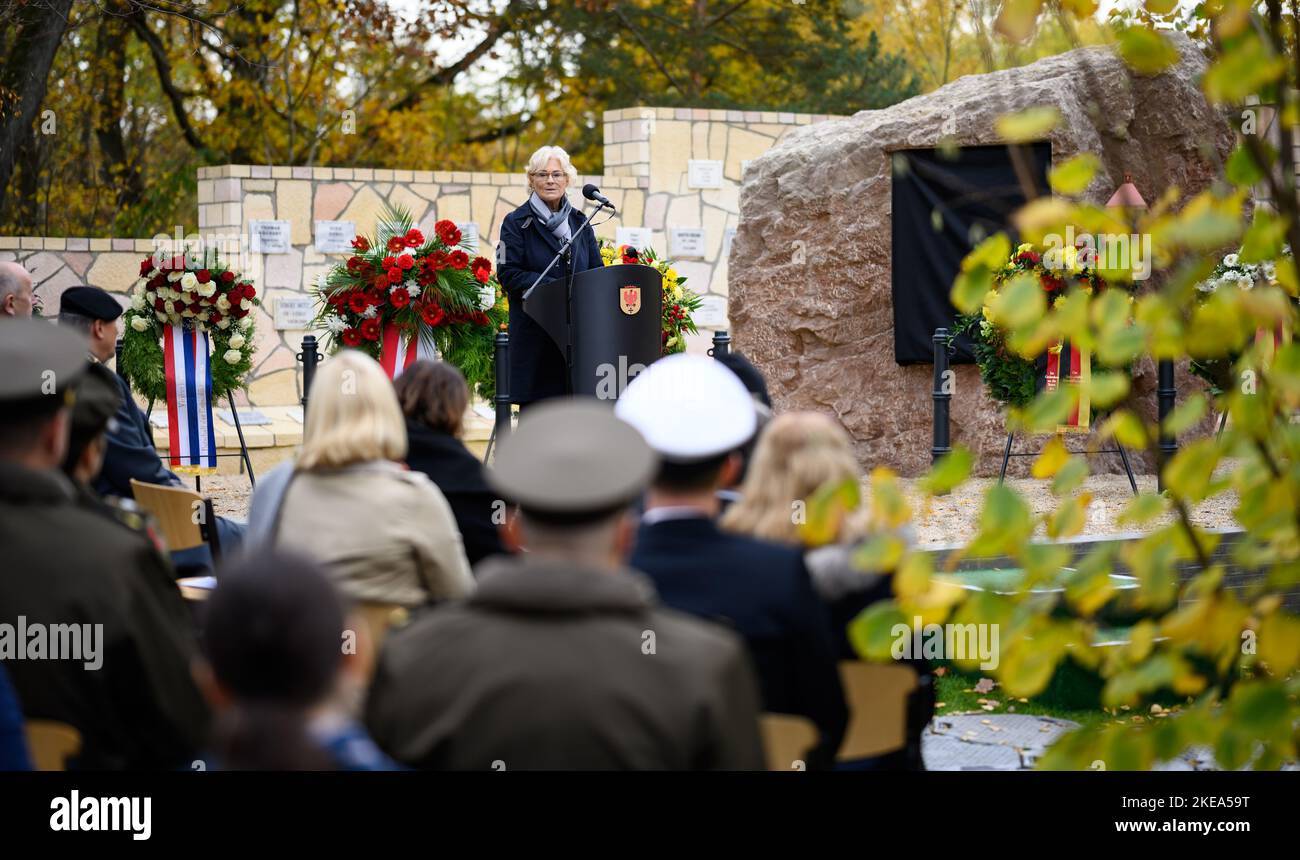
(948, 519)
(955, 518)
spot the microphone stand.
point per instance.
(565, 252)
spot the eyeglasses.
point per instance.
(557, 176)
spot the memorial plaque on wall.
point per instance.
(686, 242)
(294, 312)
(637, 237)
(335, 237)
(703, 174)
(269, 237)
(712, 312)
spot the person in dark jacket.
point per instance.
(433, 397)
(129, 449)
(563, 658)
(530, 237)
(697, 415)
(123, 676)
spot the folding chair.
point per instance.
(883, 709)
(174, 508)
(787, 740)
(52, 743)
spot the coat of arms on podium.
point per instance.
(630, 299)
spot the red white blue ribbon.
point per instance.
(193, 444)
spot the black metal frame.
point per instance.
(1118, 449)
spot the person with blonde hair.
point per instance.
(531, 236)
(798, 454)
(385, 534)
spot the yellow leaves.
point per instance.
(950, 471)
(976, 277)
(889, 508)
(1075, 174)
(1248, 67)
(1188, 473)
(1070, 517)
(1031, 124)
(1016, 19)
(1005, 523)
(1186, 414)
(1206, 223)
(1052, 458)
(1042, 216)
(1146, 51)
(1020, 302)
(827, 509)
(1142, 509)
(1278, 643)
(1105, 389)
(1126, 428)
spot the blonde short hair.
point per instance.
(797, 453)
(539, 160)
(352, 415)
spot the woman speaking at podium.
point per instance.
(530, 237)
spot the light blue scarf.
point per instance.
(556, 222)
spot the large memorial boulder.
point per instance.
(810, 290)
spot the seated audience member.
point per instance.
(799, 453)
(14, 754)
(434, 396)
(122, 675)
(129, 450)
(562, 658)
(276, 674)
(383, 533)
(16, 296)
(696, 414)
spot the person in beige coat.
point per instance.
(385, 534)
(563, 659)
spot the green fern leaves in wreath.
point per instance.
(429, 286)
(213, 298)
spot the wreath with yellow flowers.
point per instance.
(680, 304)
(1011, 378)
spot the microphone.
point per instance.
(591, 192)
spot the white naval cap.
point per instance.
(689, 408)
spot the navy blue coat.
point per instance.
(762, 590)
(130, 452)
(537, 368)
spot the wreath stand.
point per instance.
(242, 453)
(1118, 449)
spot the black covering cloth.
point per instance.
(943, 206)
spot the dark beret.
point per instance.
(90, 302)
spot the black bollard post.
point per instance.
(502, 357)
(942, 394)
(309, 357)
(721, 343)
(1166, 396)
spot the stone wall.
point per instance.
(646, 175)
(811, 299)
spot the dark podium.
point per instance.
(611, 323)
